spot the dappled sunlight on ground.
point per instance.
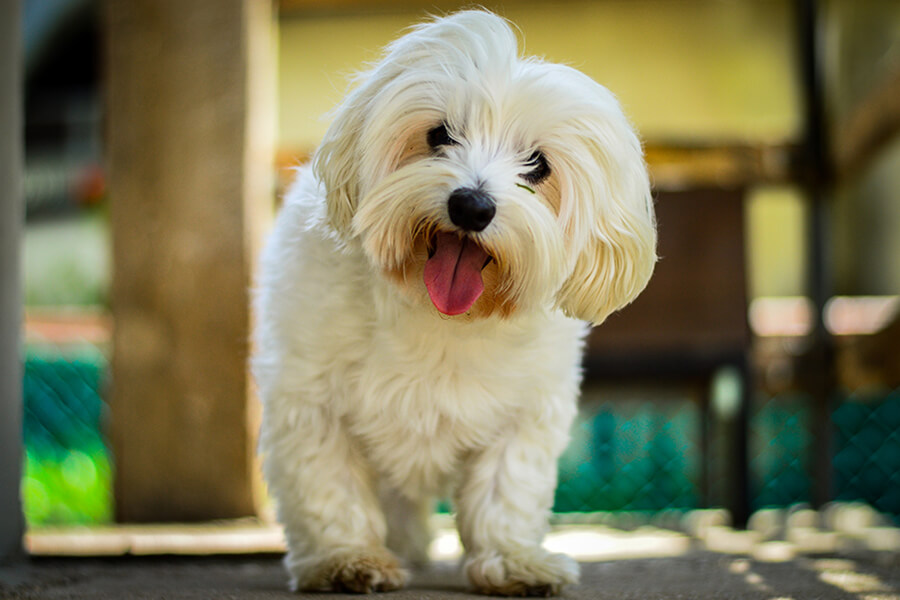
(843, 552)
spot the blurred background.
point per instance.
(760, 369)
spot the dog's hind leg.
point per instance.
(326, 500)
(409, 533)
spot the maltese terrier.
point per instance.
(422, 305)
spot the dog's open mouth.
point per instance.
(453, 272)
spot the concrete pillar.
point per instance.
(11, 217)
(190, 101)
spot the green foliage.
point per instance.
(76, 490)
(67, 475)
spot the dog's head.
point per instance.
(484, 183)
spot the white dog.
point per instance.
(422, 305)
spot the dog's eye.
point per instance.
(540, 169)
(439, 136)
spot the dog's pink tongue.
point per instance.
(453, 274)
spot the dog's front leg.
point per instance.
(503, 508)
(334, 527)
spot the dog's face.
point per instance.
(483, 184)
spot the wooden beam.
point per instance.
(311, 7)
(683, 166)
(871, 126)
(190, 99)
(674, 166)
(240, 536)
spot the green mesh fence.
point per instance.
(780, 441)
(867, 450)
(630, 451)
(67, 475)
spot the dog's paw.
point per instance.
(360, 571)
(523, 573)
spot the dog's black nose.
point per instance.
(471, 209)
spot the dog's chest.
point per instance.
(425, 399)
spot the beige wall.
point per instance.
(775, 221)
(707, 70)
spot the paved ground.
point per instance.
(697, 575)
(845, 553)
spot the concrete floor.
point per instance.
(847, 552)
(698, 574)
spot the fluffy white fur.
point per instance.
(375, 402)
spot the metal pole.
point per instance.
(11, 215)
(817, 179)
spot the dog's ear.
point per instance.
(618, 242)
(336, 162)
